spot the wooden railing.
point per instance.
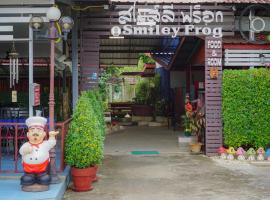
(13, 135)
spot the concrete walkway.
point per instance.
(142, 138)
(170, 175)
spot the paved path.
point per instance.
(171, 176)
(142, 138)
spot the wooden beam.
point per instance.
(157, 59)
(198, 42)
(176, 52)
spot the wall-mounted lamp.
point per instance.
(262, 59)
(66, 24)
(36, 23)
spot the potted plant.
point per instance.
(84, 142)
(141, 106)
(197, 125)
(186, 125)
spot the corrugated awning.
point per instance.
(194, 1)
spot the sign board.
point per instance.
(165, 20)
(246, 57)
(35, 90)
(14, 98)
(213, 84)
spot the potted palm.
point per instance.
(84, 142)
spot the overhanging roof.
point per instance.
(194, 1)
(125, 52)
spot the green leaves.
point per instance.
(148, 91)
(85, 139)
(246, 107)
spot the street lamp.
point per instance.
(53, 14)
(66, 23)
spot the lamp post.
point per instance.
(66, 23)
(53, 14)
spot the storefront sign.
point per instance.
(213, 53)
(164, 20)
(213, 97)
(35, 94)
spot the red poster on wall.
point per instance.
(36, 94)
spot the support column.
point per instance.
(89, 60)
(75, 78)
(30, 82)
(213, 103)
(188, 78)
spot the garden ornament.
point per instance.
(251, 154)
(223, 153)
(35, 155)
(240, 153)
(260, 153)
(268, 153)
(231, 152)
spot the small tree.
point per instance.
(85, 138)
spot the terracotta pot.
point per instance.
(95, 178)
(82, 178)
(195, 147)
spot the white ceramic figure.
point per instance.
(231, 152)
(251, 158)
(241, 157)
(35, 152)
(260, 157)
(224, 156)
(260, 153)
(268, 154)
(251, 154)
(240, 153)
(223, 153)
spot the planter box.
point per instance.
(161, 119)
(155, 124)
(142, 110)
(142, 118)
(185, 139)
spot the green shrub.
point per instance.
(246, 107)
(96, 101)
(143, 92)
(148, 91)
(85, 138)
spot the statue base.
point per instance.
(35, 188)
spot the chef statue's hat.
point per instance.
(36, 121)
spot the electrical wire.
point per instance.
(78, 8)
(59, 32)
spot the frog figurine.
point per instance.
(260, 153)
(267, 153)
(251, 154)
(240, 153)
(222, 152)
(231, 153)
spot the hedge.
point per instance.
(246, 107)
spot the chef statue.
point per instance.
(35, 155)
